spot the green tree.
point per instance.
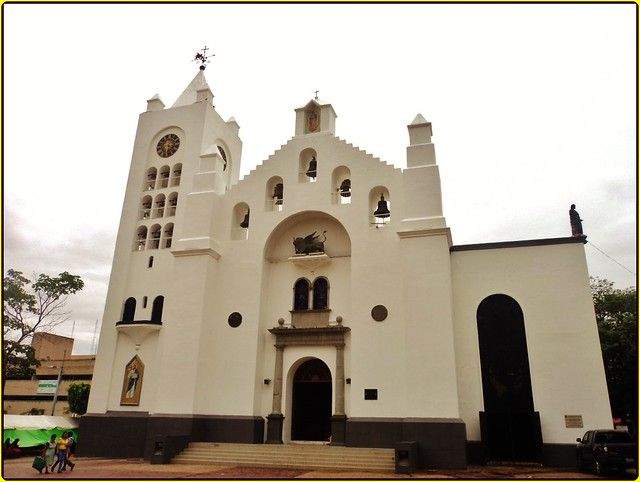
(617, 318)
(78, 397)
(27, 307)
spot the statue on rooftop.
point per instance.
(576, 222)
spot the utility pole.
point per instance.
(55, 395)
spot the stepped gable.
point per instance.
(255, 170)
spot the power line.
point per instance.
(590, 243)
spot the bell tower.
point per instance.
(185, 158)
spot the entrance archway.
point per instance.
(311, 401)
(510, 426)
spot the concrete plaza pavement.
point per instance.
(98, 468)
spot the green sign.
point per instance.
(47, 386)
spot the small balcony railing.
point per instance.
(154, 243)
(175, 180)
(158, 211)
(171, 210)
(145, 213)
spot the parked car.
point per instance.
(602, 450)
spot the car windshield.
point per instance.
(612, 437)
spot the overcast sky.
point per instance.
(533, 108)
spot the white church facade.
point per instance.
(321, 298)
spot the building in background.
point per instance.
(35, 395)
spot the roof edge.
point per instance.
(519, 244)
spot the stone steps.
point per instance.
(295, 456)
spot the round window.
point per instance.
(379, 313)
(235, 319)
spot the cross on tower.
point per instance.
(203, 58)
(316, 92)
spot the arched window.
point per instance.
(158, 206)
(129, 310)
(145, 208)
(240, 221)
(320, 294)
(175, 175)
(173, 204)
(154, 237)
(150, 179)
(156, 310)
(141, 238)
(301, 295)
(164, 177)
(274, 194)
(167, 235)
(223, 154)
(379, 206)
(308, 166)
(341, 182)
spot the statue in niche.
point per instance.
(576, 222)
(310, 243)
(132, 384)
(313, 120)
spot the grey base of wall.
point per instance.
(553, 455)
(133, 434)
(441, 441)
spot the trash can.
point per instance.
(406, 457)
(158, 456)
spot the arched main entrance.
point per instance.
(311, 401)
(510, 426)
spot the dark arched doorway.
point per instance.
(510, 426)
(311, 401)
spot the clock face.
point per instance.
(168, 145)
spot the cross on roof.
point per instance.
(202, 57)
(316, 92)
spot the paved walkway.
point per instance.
(95, 468)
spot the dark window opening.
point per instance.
(144, 302)
(320, 294)
(129, 311)
(156, 311)
(370, 393)
(301, 295)
(150, 265)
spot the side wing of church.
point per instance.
(321, 298)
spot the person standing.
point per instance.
(71, 450)
(49, 453)
(62, 446)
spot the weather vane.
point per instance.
(316, 92)
(203, 58)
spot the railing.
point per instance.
(158, 211)
(167, 243)
(144, 213)
(149, 185)
(154, 243)
(138, 322)
(171, 211)
(175, 181)
(164, 182)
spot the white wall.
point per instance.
(551, 285)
